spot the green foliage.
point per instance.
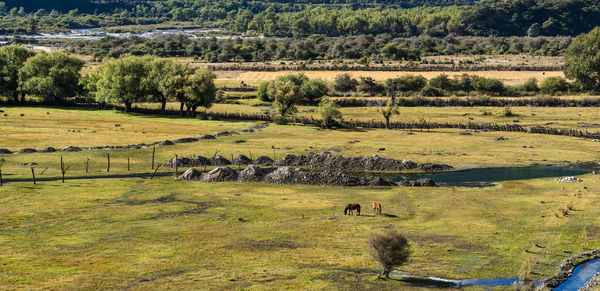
(12, 59)
(582, 60)
(200, 89)
(286, 95)
(123, 80)
(345, 83)
(329, 111)
(488, 85)
(442, 82)
(263, 92)
(407, 83)
(369, 86)
(553, 85)
(51, 76)
(313, 90)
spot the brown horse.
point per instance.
(350, 209)
(377, 207)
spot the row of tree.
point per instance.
(367, 48)
(332, 18)
(132, 79)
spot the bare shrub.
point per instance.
(391, 249)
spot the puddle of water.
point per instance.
(486, 176)
(581, 275)
(434, 282)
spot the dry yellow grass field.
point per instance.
(510, 78)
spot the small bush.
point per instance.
(390, 249)
(553, 85)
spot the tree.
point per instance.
(387, 111)
(286, 95)
(200, 90)
(407, 83)
(552, 85)
(263, 92)
(123, 81)
(329, 111)
(345, 83)
(390, 249)
(582, 60)
(488, 85)
(12, 59)
(313, 90)
(51, 76)
(369, 86)
(166, 80)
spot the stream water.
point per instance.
(582, 274)
(487, 176)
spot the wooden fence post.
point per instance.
(33, 175)
(127, 164)
(153, 151)
(108, 162)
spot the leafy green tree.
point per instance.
(200, 90)
(123, 80)
(442, 82)
(582, 60)
(286, 95)
(297, 79)
(313, 90)
(329, 111)
(388, 111)
(12, 59)
(369, 86)
(345, 83)
(51, 76)
(165, 81)
(407, 83)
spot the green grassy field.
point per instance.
(142, 233)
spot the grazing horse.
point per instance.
(351, 207)
(377, 207)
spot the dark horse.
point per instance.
(351, 208)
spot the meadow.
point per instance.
(107, 230)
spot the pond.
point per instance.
(487, 176)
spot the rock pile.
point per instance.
(367, 163)
(264, 161)
(423, 182)
(568, 180)
(5, 152)
(220, 175)
(26, 151)
(165, 143)
(71, 149)
(218, 160)
(251, 174)
(242, 160)
(189, 175)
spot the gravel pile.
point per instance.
(166, 143)
(251, 174)
(185, 140)
(190, 175)
(242, 160)
(218, 160)
(220, 175)
(5, 152)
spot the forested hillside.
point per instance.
(406, 18)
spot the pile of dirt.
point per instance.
(226, 133)
(27, 151)
(423, 182)
(71, 149)
(255, 128)
(287, 175)
(190, 175)
(185, 140)
(218, 160)
(166, 143)
(208, 136)
(264, 161)
(242, 160)
(220, 175)
(367, 163)
(5, 152)
(251, 174)
(180, 162)
(48, 150)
